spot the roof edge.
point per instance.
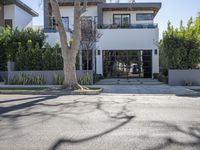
(26, 8)
(20, 4)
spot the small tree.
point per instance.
(89, 36)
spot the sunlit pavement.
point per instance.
(108, 121)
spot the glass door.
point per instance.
(117, 19)
(125, 21)
(127, 64)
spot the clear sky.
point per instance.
(173, 10)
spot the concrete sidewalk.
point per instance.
(127, 89)
(148, 89)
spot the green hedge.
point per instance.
(28, 49)
(180, 47)
(37, 58)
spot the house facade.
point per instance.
(128, 45)
(16, 14)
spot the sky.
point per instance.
(171, 10)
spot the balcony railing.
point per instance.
(128, 26)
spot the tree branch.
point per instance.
(59, 23)
(77, 27)
(84, 8)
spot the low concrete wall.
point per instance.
(176, 77)
(3, 75)
(48, 75)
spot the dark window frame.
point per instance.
(7, 23)
(142, 19)
(85, 35)
(121, 18)
(68, 22)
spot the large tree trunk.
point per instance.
(69, 52)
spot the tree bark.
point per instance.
(69, 52)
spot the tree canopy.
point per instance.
(180, 47)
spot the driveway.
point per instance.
(148, 89)
(103, 122)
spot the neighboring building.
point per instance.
(16, 14)
(128, 46)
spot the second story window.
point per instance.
(8, 23)
(66, 23)
(86, 27)
(144, 16)
(122, 20)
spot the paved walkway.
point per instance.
(129, 81)
(147, 89)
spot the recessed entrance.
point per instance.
(127, 63)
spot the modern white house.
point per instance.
(128, 46)
(16, 14)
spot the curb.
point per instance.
(32, 92)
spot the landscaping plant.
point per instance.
(24, 79)
(180, 47)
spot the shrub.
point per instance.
(180, 47)
(58, 79)
(24, 79)
(9, 40)
(97, 77)
(187, 83)
(85, 80)
(1, 79)
(163, 78)
(155, 75)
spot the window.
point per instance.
(65, 21)
(144, 16)
(87, 59)
(98, 52)
(8, 22)
(117, 19)
(86, 28)
(156, 52)
(122, 20)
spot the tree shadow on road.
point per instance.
(192, 131)
(44, 108)
(20, 106)
(121, 115)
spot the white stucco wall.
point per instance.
(108, 16)
(20, 18)
(9, 13)
(53, 38)
(128, 39)
(68, 11)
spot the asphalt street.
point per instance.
(103, 122)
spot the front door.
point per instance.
(127, 64)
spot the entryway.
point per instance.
(127, 63)
(130, 81)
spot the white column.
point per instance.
(99, 63)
